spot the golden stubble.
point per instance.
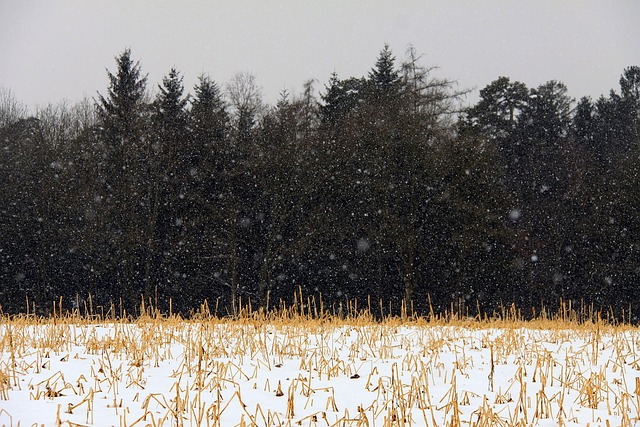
(211, 378)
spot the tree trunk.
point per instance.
(263, 286)
(233, 260)
(409, 286)
(409, 274)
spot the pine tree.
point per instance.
(583, 122)
(287, 191)
(167, 167)
(384, 78)
(495, 114)
(209, 117)
(119, 113)
(122, 117)
(170, 119)
(630, 100)
(547, 114)
(340, 99)
(214, 208)
(630, 84)
(171, 102)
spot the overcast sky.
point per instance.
(55, 49)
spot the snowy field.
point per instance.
(249, 373)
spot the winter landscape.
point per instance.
(294, 370)
(428, 216)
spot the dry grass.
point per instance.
(411, 371)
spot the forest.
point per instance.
(385, 189)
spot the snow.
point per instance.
(226, 373)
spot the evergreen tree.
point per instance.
(170, 119)
(209, 125)
(209, 117)
(341, 97)
(630, 100)
(219, 201)
(612, 127)
(583, 123)
(630, 85)
(122, 117)
(547, 115)
(168, 167)
(119, 114)
(384, 79)
(170, 104)
(499, 106)
(286, 184)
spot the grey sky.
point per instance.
(55, 49)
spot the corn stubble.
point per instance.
(308, 368)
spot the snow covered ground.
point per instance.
(244, 373)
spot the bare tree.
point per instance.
(244, 93)
(11, 110)
(245, 99)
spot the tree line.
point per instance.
(381, 188)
